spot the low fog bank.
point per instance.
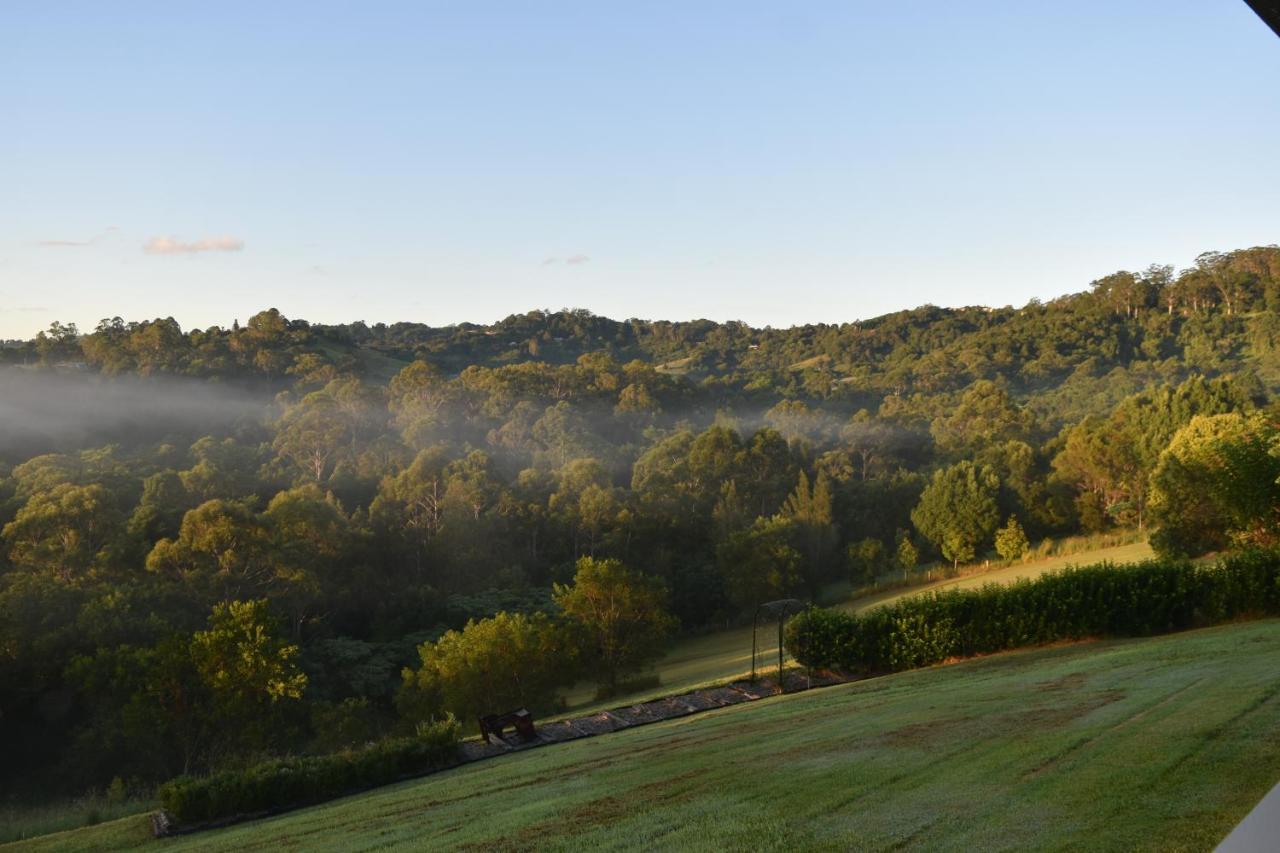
(42, 411)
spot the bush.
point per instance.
(288, 782)
(1154, 597)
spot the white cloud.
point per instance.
(577, 260)
(174, 246)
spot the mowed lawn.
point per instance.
(718, 657)
(1160, 744)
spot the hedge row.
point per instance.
(1154, 597)
(288, 782)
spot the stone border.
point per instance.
(557, 731)
(644, 713)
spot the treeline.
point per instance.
(395, 498)
(1124, 331)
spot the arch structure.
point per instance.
(773, 610)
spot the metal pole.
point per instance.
(781, 618)
(754, 624)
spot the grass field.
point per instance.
(1130, 553)
(1159, 744)
(807, 363)
(377, 366)
(717, 657)
(28, 821)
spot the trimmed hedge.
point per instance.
(1153, 597)
(289, 782)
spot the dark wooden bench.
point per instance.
(521, 720)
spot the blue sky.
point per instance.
(773, 162)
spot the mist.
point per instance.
(43, 411)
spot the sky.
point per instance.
(778, 163)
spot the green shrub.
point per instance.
(919, 642)
(1154, 597)
(287, 782)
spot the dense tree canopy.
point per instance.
(1218, 484)
(392, 497)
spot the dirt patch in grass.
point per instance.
(1083, 743)
(597, 814)
(923, 734)
(1073, 681)
(1053, 716)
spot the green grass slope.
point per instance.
(725, 655)
(1160, 744)
(1134, 552)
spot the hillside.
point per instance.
(359, 495)
(1160, 743)
(1075, 355)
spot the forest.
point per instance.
(279, 538)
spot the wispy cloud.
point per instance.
(72, 244)
(175, 246)
(572, 261)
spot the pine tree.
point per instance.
(1011, 541)
(809, 507)
(907, 555)
(957, 510)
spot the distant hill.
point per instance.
(1075, 355)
